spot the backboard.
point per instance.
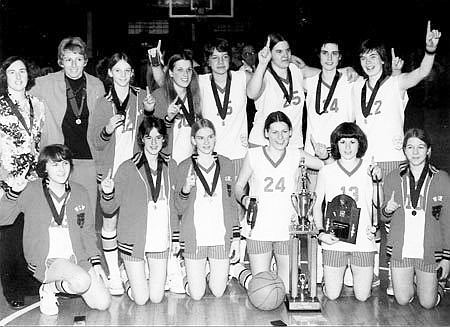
(201, 8)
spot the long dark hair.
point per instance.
(5, 65)
(169, 89)
(113, 60)
(275, 38)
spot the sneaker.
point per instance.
(176, 285)
(445, 285)
(390, 288)
(440, 294)
(115, 285)
(48, 303)
(375, 281)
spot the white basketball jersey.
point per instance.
(231, 132)
(181, 146)
(272, 99)
(272, 184)
(339, 110)
(384, 125)
(208, 212)
(335, 180)
(158, 226)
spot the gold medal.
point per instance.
(78, 121)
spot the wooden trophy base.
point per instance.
(308, 304)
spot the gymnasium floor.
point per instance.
(234, 309)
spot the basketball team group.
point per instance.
(171, 171)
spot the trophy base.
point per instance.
(309, 304)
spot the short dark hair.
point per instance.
(277, 116)
(378, 46)
(420, 134)
(147, 125)
(348, 131)
(53, 152)
(218, 44)
(5, 65)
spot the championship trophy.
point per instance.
(342, 218)
(303, 273)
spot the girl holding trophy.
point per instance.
(272, 173)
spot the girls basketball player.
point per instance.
(379, 101)
(351, 176)
(59, 239)
(116, 118)
(204, 196)
(416, 205)
(272, 174)
(178, 103)
(141, 189)
(224, 103)
(276, 85)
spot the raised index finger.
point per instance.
(109, 174)
(268, 42)
(392, 53)
(147, 90)
(429, 27)
(159, 45)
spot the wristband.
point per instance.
(166, 118)
(385, 213)
(430, 52)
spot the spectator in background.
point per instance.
(249, 57)
(21, 120)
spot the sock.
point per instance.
(111, 252)
(376, 264)
(242, 274)
(186, 285)
(389, 271)
(51, 287)
(63, 287)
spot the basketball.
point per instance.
(266, 291)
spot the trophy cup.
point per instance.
(303, 201)
(302, 285)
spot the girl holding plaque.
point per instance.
(272, 174)
(141, 189)
(116, 118)
(348, 179)
(209, 228)
(59, 237)
(416, 205)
